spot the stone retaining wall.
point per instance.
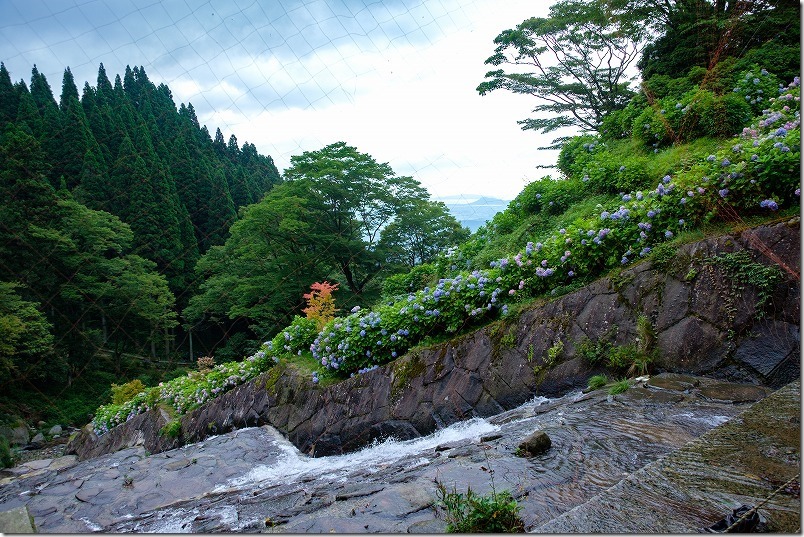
(704, 324)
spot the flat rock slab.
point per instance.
(37, 465)
(744, 461)
(736, 393)
(680, 383)
(16, 521)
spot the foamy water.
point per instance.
(292, 465)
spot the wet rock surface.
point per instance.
(255, 480)
(754, 459)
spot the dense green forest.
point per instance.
(128, 233)
(125, 227)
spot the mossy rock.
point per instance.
(273, 375)
(404, 370)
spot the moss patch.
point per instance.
(273, 375)
(404, 370)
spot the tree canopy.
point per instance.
(576, 62)
(340, 215)
(704, 32)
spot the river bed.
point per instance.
(254, 480)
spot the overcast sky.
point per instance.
(395, 79)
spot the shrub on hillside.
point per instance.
(756, 87)
(122, 393)
(6, 456)
(296, 338)
(576, 153)
(548, 195)
(613, 174)
(418, 277)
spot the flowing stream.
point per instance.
(254, 480)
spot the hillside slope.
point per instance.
(704, 318)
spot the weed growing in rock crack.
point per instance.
(662, 254)
(128, 481)
(619, 387)
(646, 333)
(620, 357)
(171, 429)
(744, 271)
(553, 353)
(591, 352)
(497, 512)
(508, 340)
(597, 381)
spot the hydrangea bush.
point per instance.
(183, 394)
(296, 338)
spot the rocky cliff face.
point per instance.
(704, 319)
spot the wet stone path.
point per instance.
(254, 480)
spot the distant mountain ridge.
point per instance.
(474, 214)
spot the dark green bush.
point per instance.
(660, 86)
(652, 128)
(237, 346)
(783, 61)
(576, 153)
(611, 173)
(617, 125)
(412, 280)
(726, 117)
(6, 457)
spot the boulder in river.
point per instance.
(535, 444)
(38, 440)
(16, 436)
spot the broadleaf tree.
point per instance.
(577, 63)
(339, 216)
(356, 198)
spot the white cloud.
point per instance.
(412, 106)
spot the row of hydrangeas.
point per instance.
(755, 172)
(185, 393)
